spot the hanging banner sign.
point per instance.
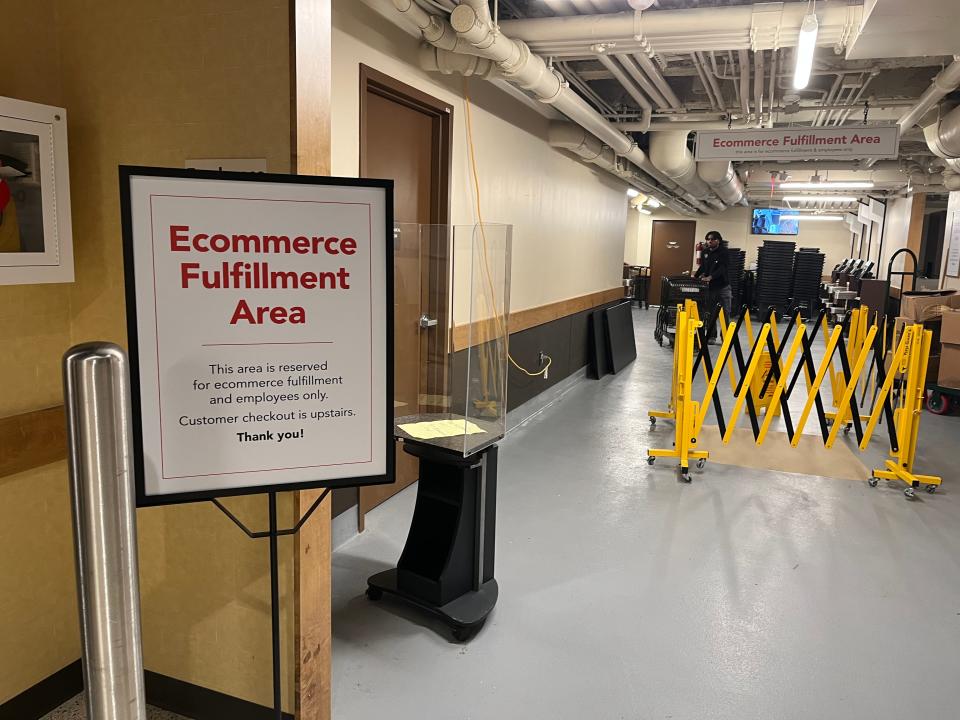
(836, 143)
(259, 314)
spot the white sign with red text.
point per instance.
(261, 319)
(837, 143)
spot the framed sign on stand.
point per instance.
(260, 330)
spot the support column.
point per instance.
(310, 65)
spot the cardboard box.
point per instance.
(950, 327)
(948, 374)
(928, 306)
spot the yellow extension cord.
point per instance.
(483, 234)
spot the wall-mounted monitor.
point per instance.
(769, 221)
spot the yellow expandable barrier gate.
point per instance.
(763, 381)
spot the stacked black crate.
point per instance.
(736, 259)
(807, 276)
(774, 276)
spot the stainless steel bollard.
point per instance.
(96, 387)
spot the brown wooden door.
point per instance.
(405, 136)
(671, 251)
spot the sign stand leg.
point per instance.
(273, 534)
(275, 607)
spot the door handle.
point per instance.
(427, 322)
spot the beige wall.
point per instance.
(895, 234)
(833, 239)
(568, 220)
(151, 84)
(38, 611)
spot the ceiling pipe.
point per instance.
(473, 25)
(758, 70)
(772, 96)
(670, 154)
(653, 72)
(951, 180)
(575, 139)
(679, 124)
(684, 31)
(943, 135)
(946, 81)
(709, 81)
(943, 84)
(744, 58)
(433, 59)
(611, 65)
(652, 91)
(723, 180)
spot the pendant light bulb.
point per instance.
(806, 44)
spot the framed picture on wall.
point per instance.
(36, 240)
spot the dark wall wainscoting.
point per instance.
(163, 692)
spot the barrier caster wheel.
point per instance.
(374, 594)
(846, 428)
(931, 488)
(651, 460)
(909, 493)
(938, 403)
(700, 463)
(653, 421)
(872, 482)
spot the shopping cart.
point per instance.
(673, 292)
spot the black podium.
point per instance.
(446, 567)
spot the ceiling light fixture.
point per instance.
(644, 211)
(632, 193)
(828, 185)
(654, 203)
(804, 218)
(806, 44)
(820, 198)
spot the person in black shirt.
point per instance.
(714, 270)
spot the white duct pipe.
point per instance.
(686, 31)
(709, 84)
(723, 180)
(744, 58)
(653, 72)
(679, 124)
(951, 180)
(943, 135)
(472, 22)
(643, 81)
(578, 141)
(670, 154)
(944, 83)
(435, 30)
(433, 59)
(611, 65)
(758, 70)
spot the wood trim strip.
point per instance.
(32, 439)
(311, 49)
(532, 317)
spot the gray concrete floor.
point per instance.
(627, 594)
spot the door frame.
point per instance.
(435, 267)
